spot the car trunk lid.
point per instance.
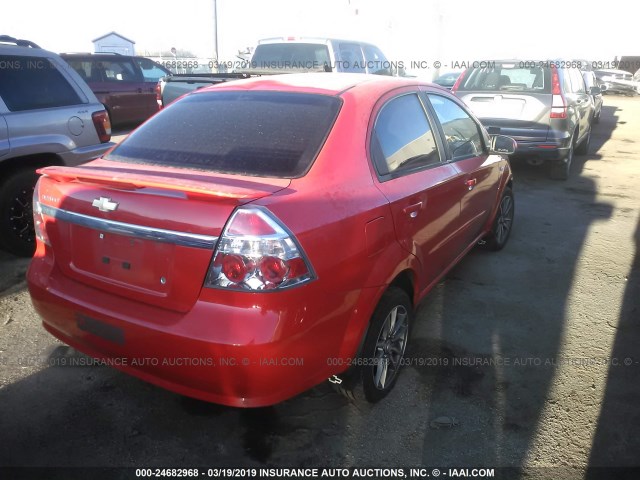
(140, 231)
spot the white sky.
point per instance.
(404, 29)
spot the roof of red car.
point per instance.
(320, 83)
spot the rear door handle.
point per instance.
(471, 183)
(412, 210)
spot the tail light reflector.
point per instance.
(558, 102)
(158, 91)
(103, 125)
(38, 218)
(257, 252)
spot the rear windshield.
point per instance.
(291, 56)
(265, 134)
(508, 77)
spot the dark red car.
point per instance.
(259, 237)
(124, 84)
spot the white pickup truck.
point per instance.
(288, 55)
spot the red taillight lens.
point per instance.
(555, 82)
(103, 125)
(38, 218)
(256, 252)
(158, 90)
(558, 102)
(458, 81)
(235, 268)
(273, 269)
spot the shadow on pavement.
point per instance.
(617, 441)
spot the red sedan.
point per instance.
(259, 237)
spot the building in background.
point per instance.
(114, 43)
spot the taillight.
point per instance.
(256, 252)
(458, 81)
(558, 102)
(159, 94)
(38, 218)
(103, 125)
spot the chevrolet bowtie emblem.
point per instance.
(104, 204)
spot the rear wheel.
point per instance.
(16, 213)
(502, 225)
(583, 148)
(377, 367)
(560, 169)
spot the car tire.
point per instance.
(560, 169)
(376, 369)
(16, 213)
(503, 223)
(583, 148)
(596, 119)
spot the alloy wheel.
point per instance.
(390, 347)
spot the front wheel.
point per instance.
(503, 223)
(16, 213)
(378, 365)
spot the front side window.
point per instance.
(461, 132)
(30, 83)
(577, 81)
(403, 138)
(376, 61)
(151, 71)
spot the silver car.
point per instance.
(544, 106)
(48, 116)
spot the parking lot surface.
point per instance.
(527, 358)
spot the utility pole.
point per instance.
(215, 29)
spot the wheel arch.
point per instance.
(33, 161)
(404, 280)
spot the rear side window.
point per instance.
(509, 78)
(30, 83)
(104, 70)
(266, 134)
(351, 58)
(403, 138)
(295, 56)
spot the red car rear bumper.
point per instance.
(237, 351)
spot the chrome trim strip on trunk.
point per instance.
(148, 233)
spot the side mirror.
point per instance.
(595, 90)
(503, 145)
